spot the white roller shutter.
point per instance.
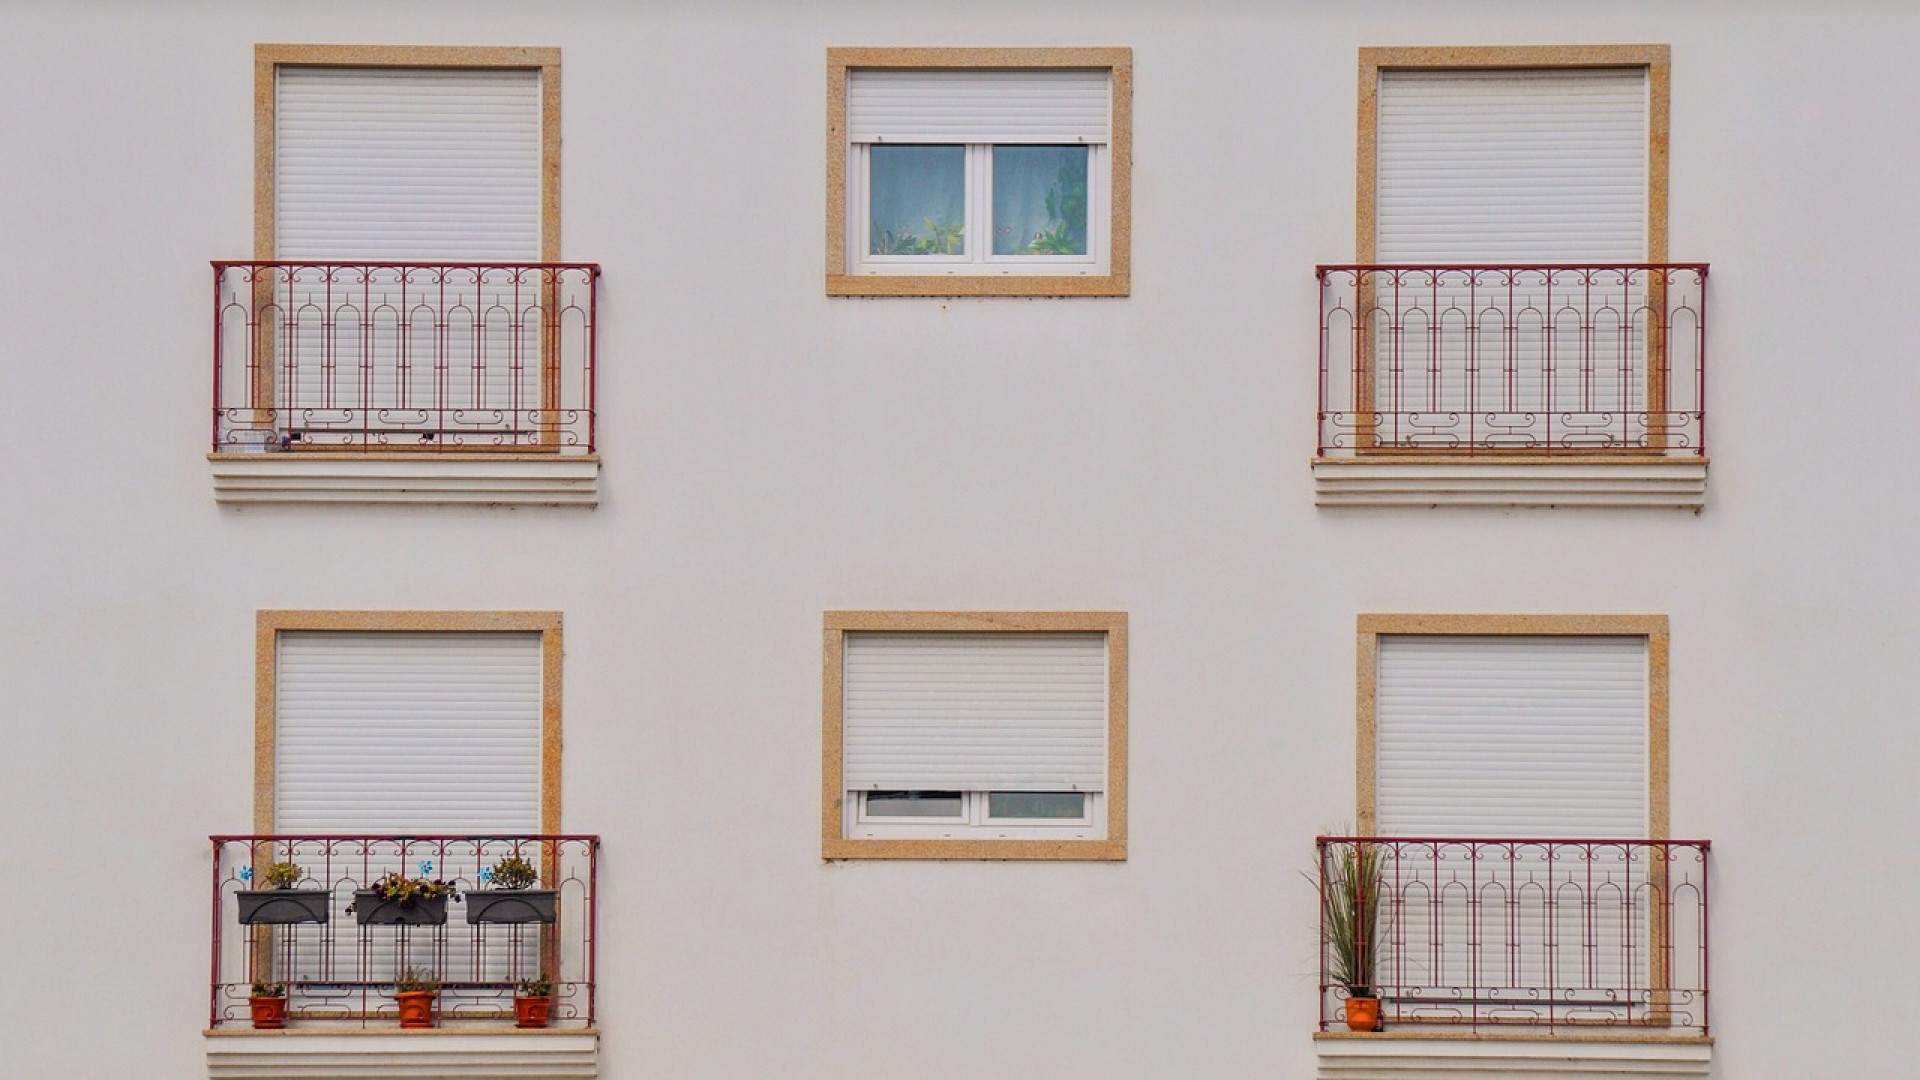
(1524, 736)
(975, 712)
(407, 165)
(407, 733)
(1053, 105)
(418, 165)
(1521, 166)
(1517, 167)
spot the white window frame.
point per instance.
(850, 831)
(975, 821)
(976, 256)
(1102, 271)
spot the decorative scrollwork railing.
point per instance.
(1506, 360)
(1544, 935)
(403, 356)
(339, 964)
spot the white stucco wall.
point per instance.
(771, 453)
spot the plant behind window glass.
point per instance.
(918, 199)
(1067, 213)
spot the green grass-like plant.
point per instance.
(538, 986)
(1350, 903)
(414, 980)
(269, 989)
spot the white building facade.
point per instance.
(914, 521)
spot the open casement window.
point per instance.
(1494, 751)
(975, 735)
(389, 729)
(1513, 200)
(409, 197)
(982, 171)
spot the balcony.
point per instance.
(1582, 949)
(338, 966)
(383, 382)
(1512, 385)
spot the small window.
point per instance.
(975, 735)
(965, 171)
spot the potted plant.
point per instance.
(533, 1003)
(1350, 902)
(268, 1004)
(510, 897)
(414, 991)
(280, 902)
(398, 900)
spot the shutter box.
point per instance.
(966, 105)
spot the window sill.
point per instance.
(1489, 481)
(496, 479)
(1404, 1056)
(984, 850)
(976, 285)
(396, 1055)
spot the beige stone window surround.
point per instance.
(1372, 627)
(1655, 59)
(268, 59)
(1114, 281)
(269, 624)
(839, 625)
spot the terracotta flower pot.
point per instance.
(269, 1013)
(1363, 1014)
(532, 1012)
(416, 1008)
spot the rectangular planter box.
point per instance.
(510, 906)
(283, 906)
(374, 910)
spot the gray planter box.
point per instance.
(283, 906)
(374, 910)
(510, 906)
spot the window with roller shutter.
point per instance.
(975, 735)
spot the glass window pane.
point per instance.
(1036, 804)
(1039, 200)
(917, 198)
(913, 804)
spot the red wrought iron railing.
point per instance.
(1544, 935)
(339, 970)
(1508, 360)
(402, 356)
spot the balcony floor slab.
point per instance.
(1677, 483)
(473, 479)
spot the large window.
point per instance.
(406, 290)
(975, 735)
(1511, 297)
(978, 171)
(1513, 773)
(408, 723)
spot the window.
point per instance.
(978, 171)
(991, 735)
(1512, 775)
(420, 723)
(1511, 298)
(1530, 726)
(405, 293)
